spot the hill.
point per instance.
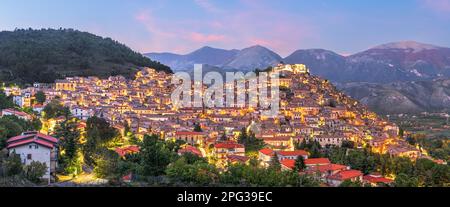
(402, 97)
(28, 56)
(246, 59)
(398, 61)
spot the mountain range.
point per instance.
(398, 77)
(402, 97)
(398, 61)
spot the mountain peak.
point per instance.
(407, 45)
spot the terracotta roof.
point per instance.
(293, 153)
(317, 161)
(376, 179)
(345, 175)
(28, 141)
(190, 149)
(32, 137)
(127, 150)
(289, 163)
(267, 152)
(326, 168)
(228, 145)
(237, 158)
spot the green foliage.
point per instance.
(199, 172)
(40, 97)
(5, 101)
(243, 175)
(99, 134)
(251, 143)
(154, 156)
(69, 143)
(55, 109)
(28, 56)
(349, 183)
(107, 165)
(34, 171)
(275, 164)
(13, 165)
(11, 126)
(299, 164)
(403, 180)
(197, 128)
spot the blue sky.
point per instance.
(181, 26)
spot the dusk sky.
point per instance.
(181, 26)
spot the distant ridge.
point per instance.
(396, 61)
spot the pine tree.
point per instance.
(299, 164)
(275, 163)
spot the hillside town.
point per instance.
(312, 110)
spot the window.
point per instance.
(29, 156)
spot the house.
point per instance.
(82, 113)
(324, 171)
(317, 162)
(237, 159)
(191, 138)
(38, 108)
(375, 179)
(264, 156)
(123, 151)
(293, 155)
(222, 150)
(19, 114)
(190, 149)
(287, 164)
(338, 178)
(34, 146)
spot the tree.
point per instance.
(107, 165)
(275, 163)
(154, 156)
(55, 109)
(299, 164)
(35, 171)
(349, 183)
(5, 101)
(40, 97)
(403, 180)
(197, 128)
(69, 145)
(13, 165)
(348, 144)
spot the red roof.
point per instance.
(15, 112)
(190, 149)
(127, 150)
(237, 158)
(28, 141)
(326, 168)
(293, 153)
(317, 161)
(289, 163)
(376, 179)
(267, 152)
(228, 145)
(345, 175)
(32, 137)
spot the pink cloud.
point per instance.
(437, 5)
(202, 38)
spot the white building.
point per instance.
(82, 113)
(34, 146)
